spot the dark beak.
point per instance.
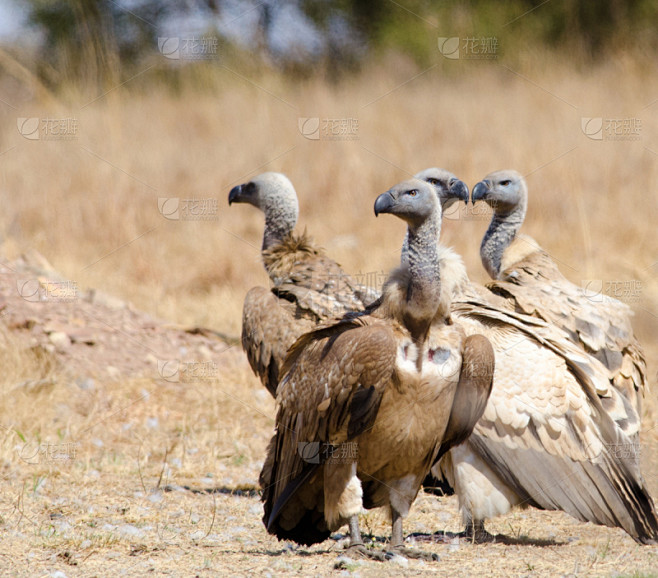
(234, 195)
(458, 190)
(384, 203)
(480, 191)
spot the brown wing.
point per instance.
(472, 393)
(599, 324)
(296, 265)
(332, 385)
(269, 328)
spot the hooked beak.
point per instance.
(384, 203)
(480, 191)
(459, 190)
(234, 195)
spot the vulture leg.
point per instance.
(357, 548)
(476, 533)
(397, 542)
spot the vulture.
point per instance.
(525, 274)
(368, 404)
(307, 286)
(556, 432)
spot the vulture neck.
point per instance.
(279, 223)
(500, 234)
(424, 288)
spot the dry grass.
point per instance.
(91, 206)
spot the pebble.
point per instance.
(60, 340)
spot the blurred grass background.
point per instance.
(149, 127)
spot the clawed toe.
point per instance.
(360, 551)
(413, 554)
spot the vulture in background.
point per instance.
(556, 432)
(307, 286)
(366, 406)
(526, 275)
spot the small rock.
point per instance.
(400, 560)
(60, 340)
(113, 372)
(151, 359)
(85, 384)
(204, 353)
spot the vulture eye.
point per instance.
(412, 192)
(505, 183)
(433, 181)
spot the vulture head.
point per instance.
(273, 194)
(448, 187)
(504, 191)
(414, 201)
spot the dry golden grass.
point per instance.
(91, 207)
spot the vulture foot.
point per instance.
(360, 551)
(476, 534)
(412, 553)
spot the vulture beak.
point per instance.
(480, 191)
(234, 195)
(459, 190)
(384, 203)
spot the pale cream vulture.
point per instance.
(367, 406)
(528, 277)
(556, 432)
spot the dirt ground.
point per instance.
(144, 454)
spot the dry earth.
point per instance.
(144, 453)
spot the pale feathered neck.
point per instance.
(501, 232)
